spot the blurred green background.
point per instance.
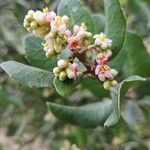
(25, 121)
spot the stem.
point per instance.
(86, 62)
(88, 48)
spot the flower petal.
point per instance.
(108, 74)
(101, 77)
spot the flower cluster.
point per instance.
(103, 71)
(80, 38)
(38, 21)
(57, 36)
(65, 70)
(102, 42)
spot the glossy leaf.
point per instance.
(90, 115)
(30, 76)
(36, 55)
(117, 94)
(115, 24)
(77, 13)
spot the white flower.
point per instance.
(58, 24)
(102, 40)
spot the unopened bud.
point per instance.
(110, 45)
(107, 85)
(114, 83)
(65, 19)
(62, 75)
(102, 36)
(61, 35)
(26, 24)
(58, 40)
(56, 70)
(29, 29)
(104, 46)
(88, 35)
(31, 12)
(39, 17)
(100, 55)
(70, 73)
(34, 25)
(52, 35)
(108, 53)
(41, 31)
(57, 48)
(50, 53)
(29, 18)
(62, 63)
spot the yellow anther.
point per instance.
(45, 9)
(104, 68)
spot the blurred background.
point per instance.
(25, 121)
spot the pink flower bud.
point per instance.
(76, 29)
(68, 33)
(102, 60)
(49, 16)
(108, 74)
(75, 68)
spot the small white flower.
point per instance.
(102, 40)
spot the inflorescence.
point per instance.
(57, 36)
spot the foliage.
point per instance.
(126, 113)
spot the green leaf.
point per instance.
(99, 23)
(88, 116)
(137, 56)
(77, 13)
(118, 61)
(64, 87)
(115, 24)
(36, 55)
(94, 87)
(117, 94)
(30, 76)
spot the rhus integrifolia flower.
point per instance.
(57, 35)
